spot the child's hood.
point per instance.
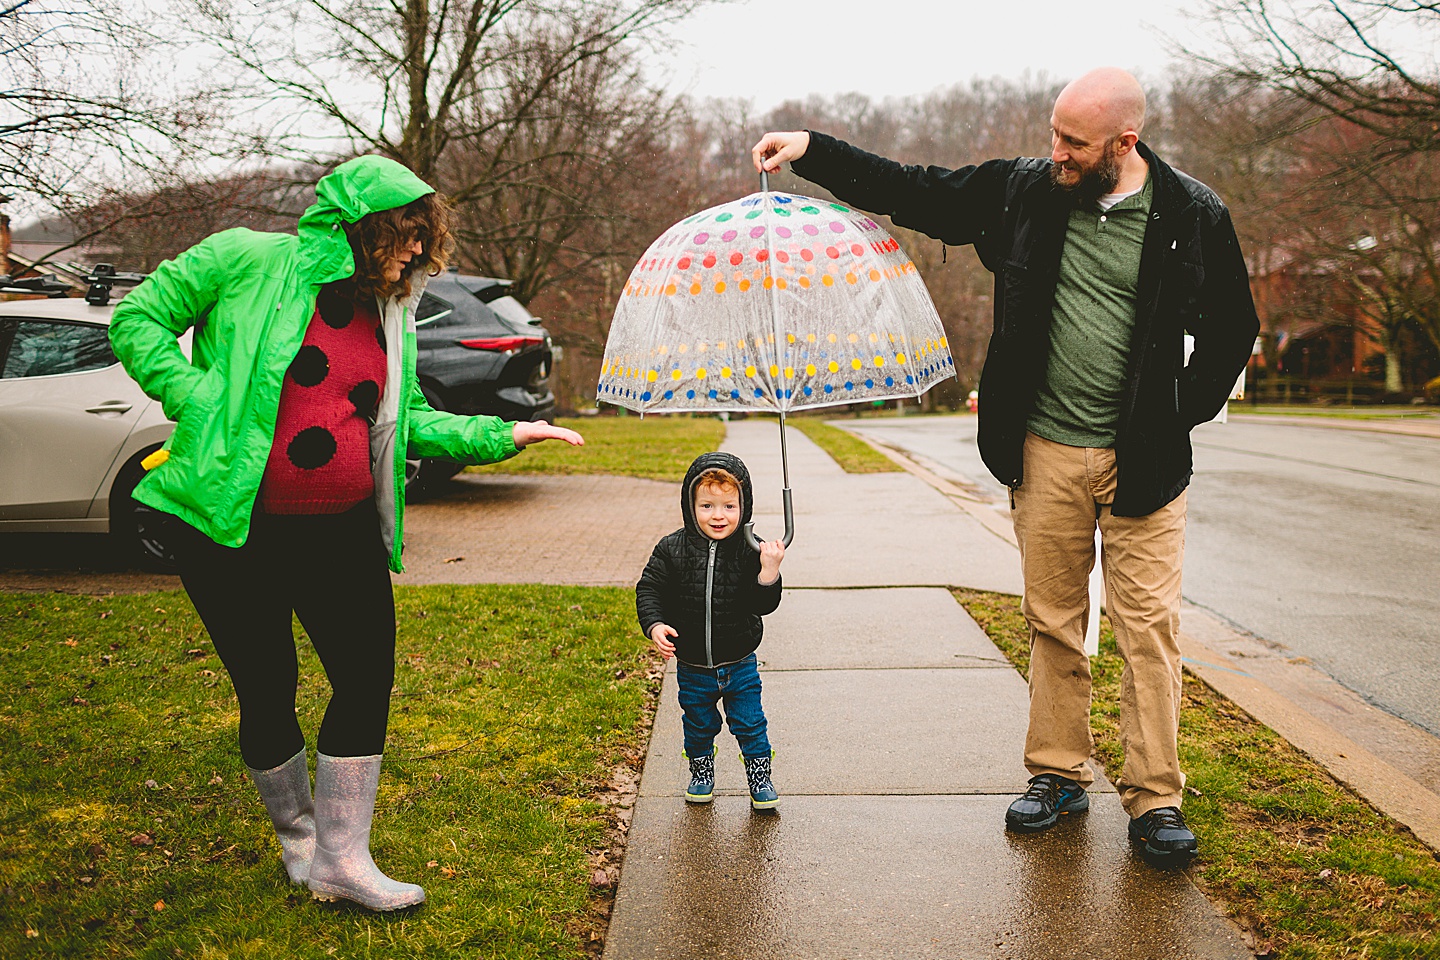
(711, 461)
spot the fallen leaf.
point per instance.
(216, 780)
(432, 864)
(159, 905)
(79, 702)
(151, 785)
(31, 933)
(71, 642)
(142, 840)
(447, 872)
(600, 879)
(454, 559)
(1326, 874)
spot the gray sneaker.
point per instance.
(1050, 797)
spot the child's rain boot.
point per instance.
(702, 779)
(762, 791)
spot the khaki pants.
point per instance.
(1066, 492)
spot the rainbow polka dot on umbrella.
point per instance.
(776, 302)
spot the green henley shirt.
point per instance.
(1091, 323)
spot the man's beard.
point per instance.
(1093, 183)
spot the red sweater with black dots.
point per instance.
(320, 458)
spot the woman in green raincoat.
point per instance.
(294, 416)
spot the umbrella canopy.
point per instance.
(772, 302)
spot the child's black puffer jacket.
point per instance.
(686, 566)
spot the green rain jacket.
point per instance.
(249, 297)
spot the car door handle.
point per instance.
(111, 406)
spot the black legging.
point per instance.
(331, 571)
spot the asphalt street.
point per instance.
(1324, 541)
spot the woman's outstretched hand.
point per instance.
(533, 431)
(777, 148)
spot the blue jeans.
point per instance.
(738, 684)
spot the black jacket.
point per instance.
(708, 590)
(1192, 279)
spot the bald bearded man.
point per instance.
(1104, 258)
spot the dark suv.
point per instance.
(478, 350)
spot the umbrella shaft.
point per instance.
(784, 454)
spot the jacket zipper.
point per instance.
(709, 597)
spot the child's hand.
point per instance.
(771, 553)
(659, 635)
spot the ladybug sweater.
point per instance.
(320, 459)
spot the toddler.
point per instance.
(700, 600)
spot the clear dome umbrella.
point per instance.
(773, 302)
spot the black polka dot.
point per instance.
(312, 448)
(310, 366)
(380, 336)
(335, 310)
(364, 397)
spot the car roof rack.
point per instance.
(102, 278)
(46, 285)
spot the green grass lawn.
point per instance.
(655, 448)
(128, 827)
(846, 449)
(1309, 868)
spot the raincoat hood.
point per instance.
(710, 461)
(350, 191)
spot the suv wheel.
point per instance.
(139, 531)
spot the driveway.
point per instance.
(478, 528)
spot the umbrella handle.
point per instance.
(754, 541)
(764, 182)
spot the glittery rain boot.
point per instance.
(343, 869)
(286, 792)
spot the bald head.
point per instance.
(1094, 130)
(1107, 102)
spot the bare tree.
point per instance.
(518, 109)
(1351, 133)
(1349, 58)
(77, 110)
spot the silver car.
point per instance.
(74, 428)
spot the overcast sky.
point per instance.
(775, 51)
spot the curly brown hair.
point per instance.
(375, 238)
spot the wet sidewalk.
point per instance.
(898, 730)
